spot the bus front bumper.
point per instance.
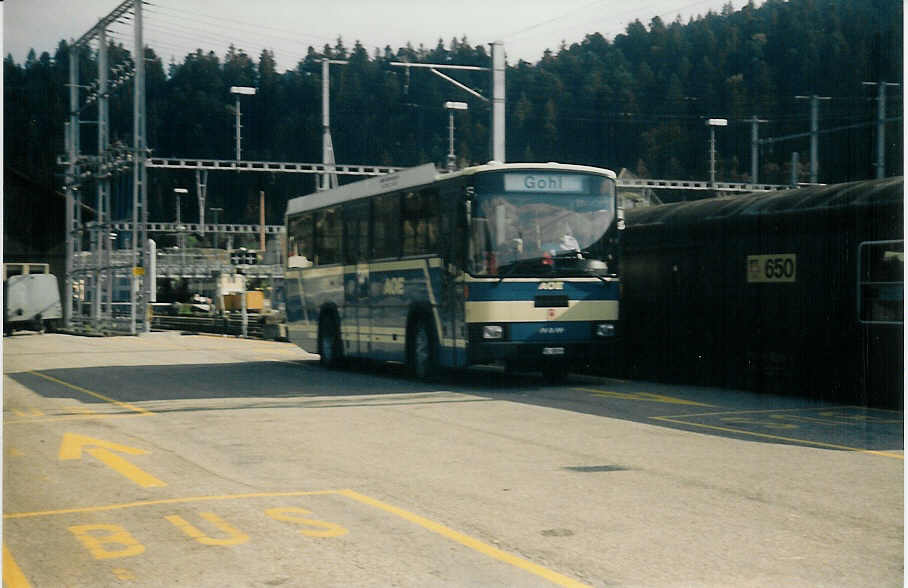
(522, 353)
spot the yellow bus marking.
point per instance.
(322, 528)
(12, 573)
(114, 535)
(125, 405)
(28, 412)
(235, 536)
(427, 524)
(123, 574)
(467, 541)
(141, 503)
(780, 438)
(645, 396)
(71, 448)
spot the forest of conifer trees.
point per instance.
(637, 101)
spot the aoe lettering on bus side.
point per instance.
(393, 287)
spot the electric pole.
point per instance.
(329, 178)
(880, 164)
(755, 146)
(814, 133)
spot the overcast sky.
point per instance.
(288, 27)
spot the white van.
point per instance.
(31, 301)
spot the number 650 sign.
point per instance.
(779, 267)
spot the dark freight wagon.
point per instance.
(796, 292)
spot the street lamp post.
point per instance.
(451, 107)
(238, 91)
(712, 124)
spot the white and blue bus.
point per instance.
(514, 263)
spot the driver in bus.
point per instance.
(568, 241)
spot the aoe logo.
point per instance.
(393, 287)
(551, 286)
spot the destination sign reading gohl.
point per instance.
(560, 183)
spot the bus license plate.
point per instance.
(553, 350)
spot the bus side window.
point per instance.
(386, 226)
(430, 219)
(410, 217)
(300, 242)
(420, 222)
(452, 228)
(327, 236)
(356, 232)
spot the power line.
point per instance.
(545, 22)
(245, 25)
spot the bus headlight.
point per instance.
(605, 330)
(492, 332)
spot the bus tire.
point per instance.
(422, 350)
(330, 348)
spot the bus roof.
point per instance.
(420, 176)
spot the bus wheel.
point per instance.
(329, 343)
(422, 353)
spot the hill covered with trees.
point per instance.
(637, 101)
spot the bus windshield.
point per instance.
(542, 232)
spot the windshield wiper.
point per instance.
(509, 271)
(580, 257)
(574, 254)
(527, 266)
(591, 272)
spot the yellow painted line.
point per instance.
(467, 541)
(74, 417)
(645, 396)
(28, 412)
(143, 503)
(833, 421)
(780, 438)
(12, 573)
(125, 405)
(767, 410)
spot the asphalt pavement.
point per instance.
(216, 461)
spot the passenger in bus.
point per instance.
(568, 241)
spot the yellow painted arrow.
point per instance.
(73, 444)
